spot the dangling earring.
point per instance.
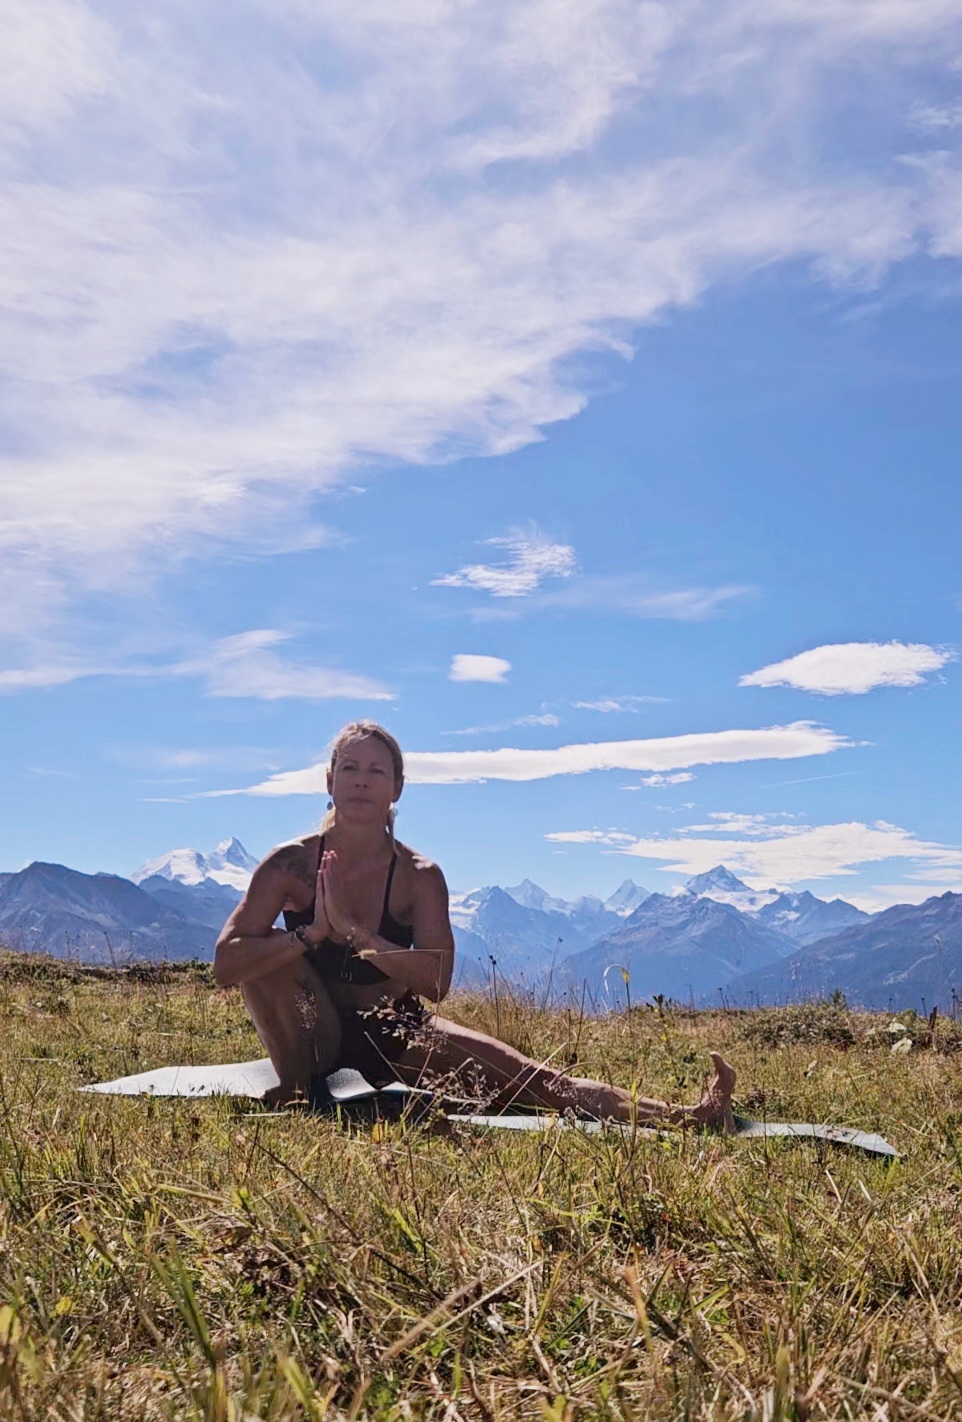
(330, 804)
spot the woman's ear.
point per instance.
(330, 782)
(398, 787)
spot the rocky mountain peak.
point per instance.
(626, 897)
(717, 878)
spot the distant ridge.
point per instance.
(47, 908)
(908, 956)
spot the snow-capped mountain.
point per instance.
(626, 898)
(685, 946)
(589, 912)
(802, 916)
(806, 919)
(528, 931)
(228, 864)
(525, 943)
(692, 944)
(721, 885)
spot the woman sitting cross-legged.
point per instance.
(367, 938)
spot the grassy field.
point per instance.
(163, 1259)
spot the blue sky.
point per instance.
(572, 382)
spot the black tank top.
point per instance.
(336, 960)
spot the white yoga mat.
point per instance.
(252, 1079)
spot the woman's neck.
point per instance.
(357, 841)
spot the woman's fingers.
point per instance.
(330, 890)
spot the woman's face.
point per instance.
(362, 784)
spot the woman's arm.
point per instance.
(249, 946)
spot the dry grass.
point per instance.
(175, 1259)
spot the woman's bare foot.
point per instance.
(714, 1110)
(281, 1096)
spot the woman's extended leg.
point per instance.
(495, 1070)
(298, 1024)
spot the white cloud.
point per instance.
(853, 668)
(247, 665)
(533, 558)
(467, 667)
(788, 855)
(608, 704)
(229, 281)
(802, 738)
(660, 779)
(609, 837)
(546, 719)
(736, 822)
(931, 118)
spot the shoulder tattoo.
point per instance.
(294, 859)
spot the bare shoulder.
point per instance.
(422, 873)
(295, 859)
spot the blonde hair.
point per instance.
(359, 731)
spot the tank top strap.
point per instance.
(385, 907)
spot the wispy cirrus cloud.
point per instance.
(228, 281)
(246, 664)
(532, 558)
(13, 679)
(853, 668)
(631, 593)
(776, 855)
(162, 761)
(546, 718)
(792, 742)
(627, 594)
(609, 704)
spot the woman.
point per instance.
(367, 937)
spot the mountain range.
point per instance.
(99, 918)
(714, 939)
(909, 955)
